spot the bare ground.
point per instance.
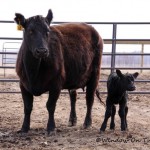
(74, 138)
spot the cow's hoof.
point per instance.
(102, 132)
(112, 129)
(22, 132)
(72, 123)
(51, 133)
(87, 124)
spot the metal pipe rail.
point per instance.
(106, 53)
(59, 22)
(104, 68)
(11, 53)
(106, 41)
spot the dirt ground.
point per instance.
(73, 138)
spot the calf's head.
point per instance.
(127, 80)
(36, 33)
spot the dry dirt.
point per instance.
(73, 138)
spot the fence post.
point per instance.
(142, 57)
(113, 47)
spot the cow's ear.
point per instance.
(49, 16)
(20, 19)
(119, 73)
(135, 75)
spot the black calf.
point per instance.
(117, 86)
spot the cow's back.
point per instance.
(82, 50)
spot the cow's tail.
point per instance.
(98, 96)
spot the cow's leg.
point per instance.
(28, 104)
(90, 92)
(89, 102)
(113, 112)
(122, 116)
(51, 104)
(126, 112)
(73, 117)
(107, 115)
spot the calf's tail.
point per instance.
(98, 96)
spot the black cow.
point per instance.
(52, 58)
(117, 86)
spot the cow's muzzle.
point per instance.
(131, 88)
(41, 52)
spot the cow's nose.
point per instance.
(41, 52)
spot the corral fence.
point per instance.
(8, 54)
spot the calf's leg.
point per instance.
(73, 117)
(122, 116)
(126, 112)
(113, 112)
(28, 104)
(107, 115)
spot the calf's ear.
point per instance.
(135, 75)
(20, 19)
(49, 16)
(119, 73)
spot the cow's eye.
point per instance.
(129, 80)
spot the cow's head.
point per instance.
(127, 80)
(36, 33)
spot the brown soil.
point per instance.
(73, 138)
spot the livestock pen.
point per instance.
(116, 55)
